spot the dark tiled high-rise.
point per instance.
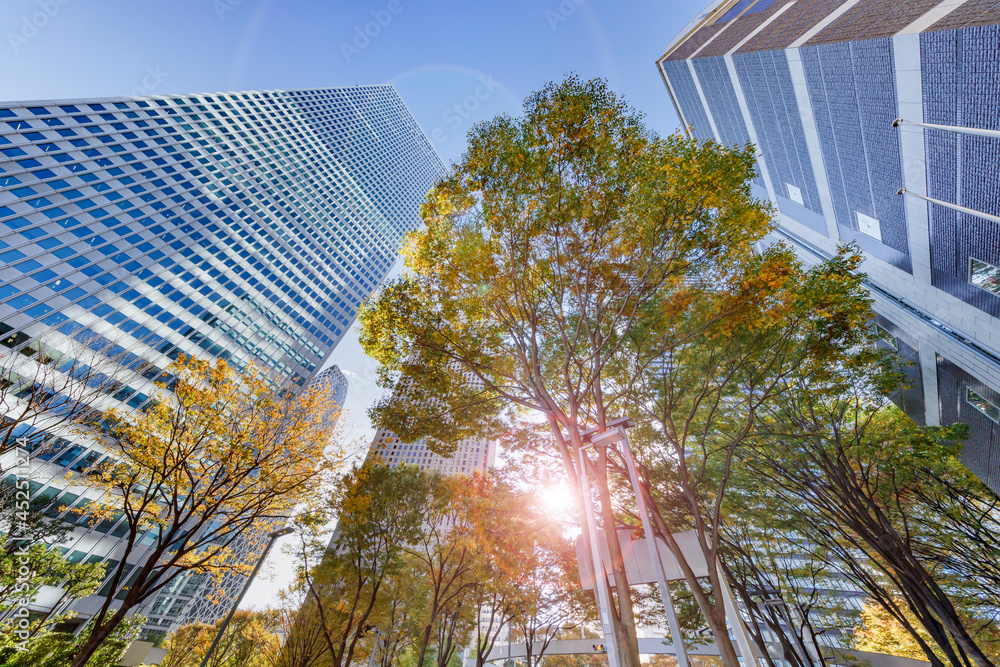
(816, 85)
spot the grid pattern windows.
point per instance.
(767, 84)
(853, 94)
(242, 226)
(687, 96)
(960, 85)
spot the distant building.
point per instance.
(336, 383)
(471, 454)
(816, 85)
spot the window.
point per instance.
(991, 411)
(984, 275)
(869, 226)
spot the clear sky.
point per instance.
(454, 63)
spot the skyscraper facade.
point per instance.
(470, 454)
(876, 124)
(242, 226)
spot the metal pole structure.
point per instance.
(954, 207)
(260, 561)
(371, 658)
(950, 128)
(619, 434)
(736, 619)
(600, 574)
(797, 645)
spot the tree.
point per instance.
(512, 536)
(553, 596)
(30, 536)
(445, 554)
(398, 619)
(787, 584)
(879, 632)
(249, 641)
(304, 642)
(56, 649)
(855, 465)
(218, 461)
(380, 511)
(558, 233)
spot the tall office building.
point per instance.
(243, 226)
(337, 383)
(816, 85)
(470, 455)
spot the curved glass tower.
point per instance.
(244, 226)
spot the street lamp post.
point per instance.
(274, 535)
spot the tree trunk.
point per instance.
(424, 641)
(97, 636)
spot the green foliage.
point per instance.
(837, 466)
(553, 263)
(47, 567)
(56, 649)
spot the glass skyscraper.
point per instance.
(243, 226)
(875, 123)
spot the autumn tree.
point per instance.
(380, 512)
(304, 637)
(397, 620)
(250, 640)
(553, 597)
(445, 555)
(558, 233)
(213, 463)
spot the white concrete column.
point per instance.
(909, 94)
(751, 130)
(798, 75)
(928, 376)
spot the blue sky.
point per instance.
(454, 63)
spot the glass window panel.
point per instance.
(991, 411)
(984, 275)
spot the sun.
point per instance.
(557, 500)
